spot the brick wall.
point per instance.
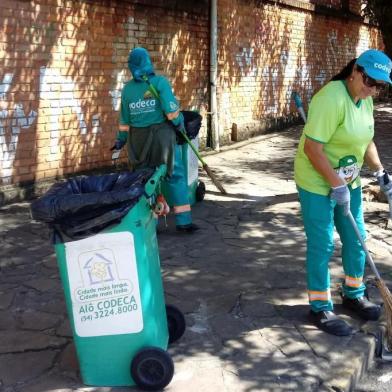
(63, 64)
(269, 51)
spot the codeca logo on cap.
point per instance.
(383, 67)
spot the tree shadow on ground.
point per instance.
(240, 282)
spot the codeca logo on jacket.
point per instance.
(142, 104)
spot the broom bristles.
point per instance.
(214, 179)
(387, 298)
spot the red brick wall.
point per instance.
(63, 64)
(268, 51)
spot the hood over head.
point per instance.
(140, 64)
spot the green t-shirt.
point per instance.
(344, 128)
(140, 108)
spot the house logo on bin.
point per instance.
(98, 268)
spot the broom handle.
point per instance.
(390, 207)
(364, 247)
(155, 92)
(193, 147)
(299, 105)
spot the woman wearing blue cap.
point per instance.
(148, 134)
(337, 139)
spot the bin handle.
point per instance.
(152, 183)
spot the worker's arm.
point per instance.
(339, 190)
(315, 152)
(123, 128)
(169, 103)
(384, 179)
(372, 159)
(173, 115)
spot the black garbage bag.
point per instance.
(192, 123)
(85, 205)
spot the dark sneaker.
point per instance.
(328, 322)
(189, 228)
(363, 308)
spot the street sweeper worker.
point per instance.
(337, 140)
(147, 129)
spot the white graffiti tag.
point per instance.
(18, 120)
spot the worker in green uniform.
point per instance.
(337, 140)
(147, 128)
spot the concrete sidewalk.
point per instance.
(240, 281)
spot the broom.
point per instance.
(384, 291)
(204, 164)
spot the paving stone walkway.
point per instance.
(240, 282)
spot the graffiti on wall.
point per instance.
(115, 93)
(59, 93)
(332, 47)
(294, 68)
(16, 120)
(246, 63)
(291, 69)
(5, 85)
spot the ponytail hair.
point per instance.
(346, 71)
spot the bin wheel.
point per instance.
(152, 369)
(200, 191)
(175, 323)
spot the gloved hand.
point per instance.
(120, 141)
(341, 195)
(118, 144)
(385, 182)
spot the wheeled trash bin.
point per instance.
(186, 158)
(107, 254)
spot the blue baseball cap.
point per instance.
(376, 64)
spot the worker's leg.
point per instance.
(317, 214)
(354, 257)
(178, 190)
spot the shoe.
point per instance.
(189, 228)
(363, 308)
(328, 322)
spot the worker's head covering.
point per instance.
(139, 63)
(376, 64)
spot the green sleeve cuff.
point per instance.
(122, 135)
(315, 140)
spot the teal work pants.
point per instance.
(177, 188)
(320, 215)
